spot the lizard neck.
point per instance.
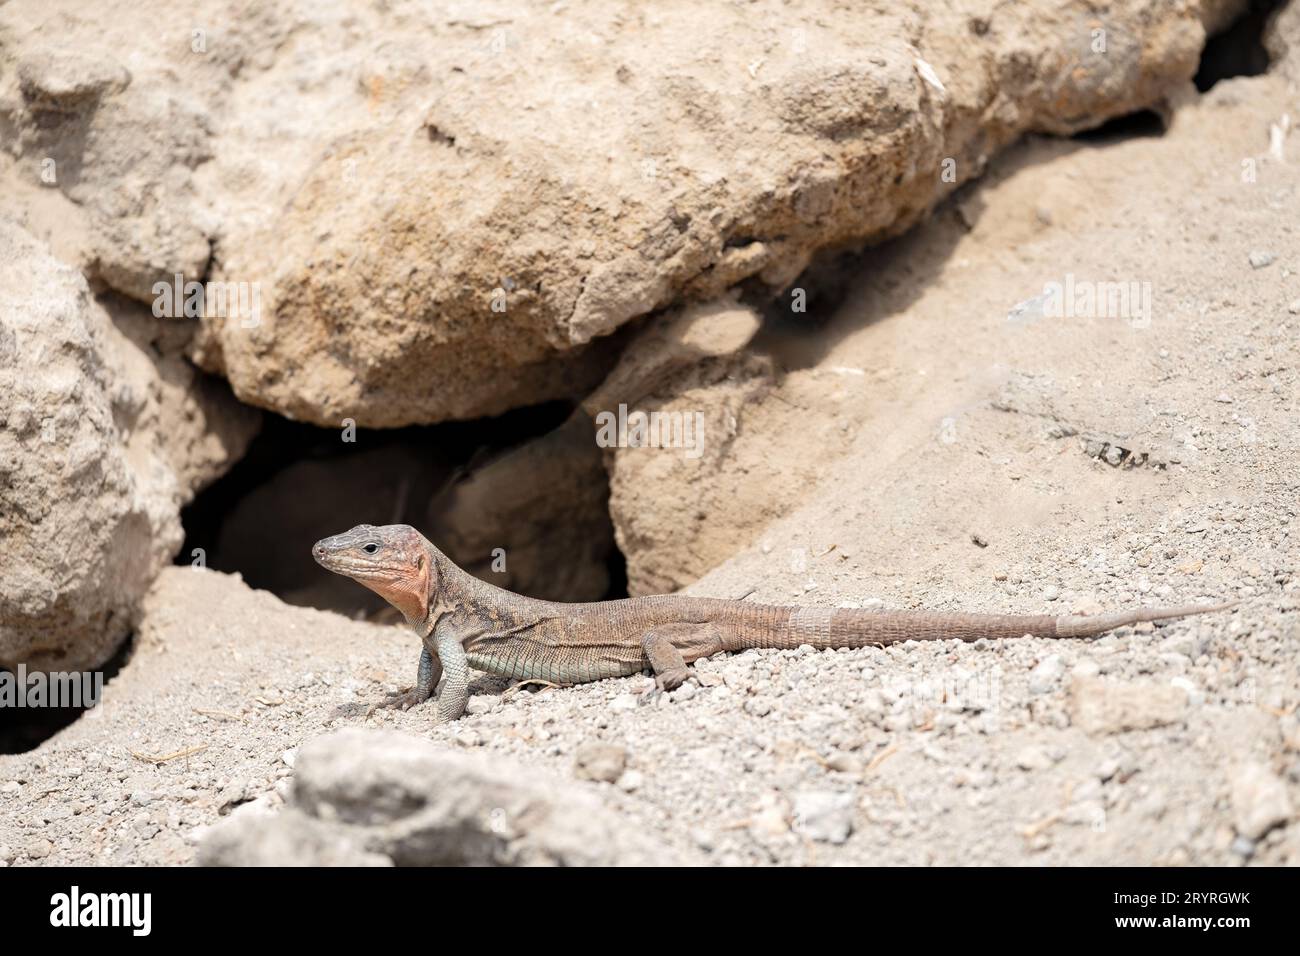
(453, 590)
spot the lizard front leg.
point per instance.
(455, 690)
(426, 679)
(663, 647)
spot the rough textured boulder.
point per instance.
(446, 221)
(1282, 41)
(378, 796)
(99, 448)
(732, 144)
(546, 503)
(122, 149)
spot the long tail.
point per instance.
(767, 626)
(1095, 624)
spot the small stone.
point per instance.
(706, 840)
(481, 703)
(842, 762)
(599, 761)
(232, 794)
(1259, 800)
(1033, 758)
(758, 706)
(1194, 696)
(39, 848)
(1044, 677)
(1051, 592)
(1223, 398)
(631, 780)
(1085, 668)
(1243, 847)
(824, 815)
(1294, 307)
(684, 693)
(1107, 768)
(10, 786)
(1260, 258)
(289, 756)
(141, 798)
(623, 702)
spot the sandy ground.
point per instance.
(972, 475)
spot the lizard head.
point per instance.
(395, 561)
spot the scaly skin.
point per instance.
(467, 623)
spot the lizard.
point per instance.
(464, 622)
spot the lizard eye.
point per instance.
(370, 548)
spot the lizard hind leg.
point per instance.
(669, 646)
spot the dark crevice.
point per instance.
(26, 728)
(1129, 126)
(1238, 50)
(299, 483)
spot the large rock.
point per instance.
(1282, 41)
(100, 445)
(123, 149)
(361, 794)
(732, 143)
(442, 222)
(545, 505)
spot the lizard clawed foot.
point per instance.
(671, 680)
(402, 701)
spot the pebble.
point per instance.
(758, 706)
(624, 702)
(1033, 758)
(1107, 768)
(824, 815)
(1259, 800)
(684, 693)
(1259, 258)
(1051, 592)
(1044, 677)
(289, 756)
(599, 761)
